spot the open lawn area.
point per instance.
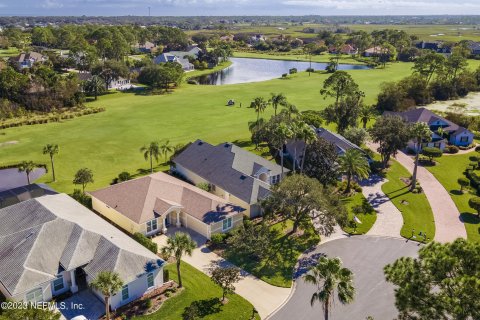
(200, 289)
(447, 171)
(10, 52)
(109, 142)
(277, 270)
(414, 207)
(368, 216)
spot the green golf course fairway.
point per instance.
(109, 142)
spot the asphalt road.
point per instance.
(365, 256)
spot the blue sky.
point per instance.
(238, 7)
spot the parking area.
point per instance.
(83, 303)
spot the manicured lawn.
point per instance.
(9, 52)
(367, 219)
(109, 142)
(199, 287)
(415, 208)
(277, 270)
(447, 171)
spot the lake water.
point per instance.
(245, 70)
(11, 178)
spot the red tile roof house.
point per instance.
(153, 203)
(453, 133)
(346, 49)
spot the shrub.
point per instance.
(431, 153)
(82, 198)
(148, 303)
(292, 70)
(477, 148)
(192, 81)
(451, 149)
(474, 203)
(217, 239)
(310, 70)
(146, 242)
(204, 186)
(284, 75)
(166, 275)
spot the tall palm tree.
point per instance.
(51, 150)
(277, 100)
(150, 152)
(329, 276)
(177, 246)
(366, 113)
(108, 283)
(290, 109)
(27, 167)
(165, 148)
(309, 136)
(282, 134)
(420, 131)
(259, 105)
(297, 134)
(353, 163)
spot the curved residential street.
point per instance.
(365, 256)
(448, 225)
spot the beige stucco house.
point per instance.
(153, 203)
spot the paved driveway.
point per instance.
(365, 256)
(82, 303)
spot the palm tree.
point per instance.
(329, 276)
(259, 105)
(177, 246)
(290, 109)
(150, 152)
(309, 136)
(108, 283)
(282, 133)
(277, 100)
(51, 150)
(95, 86)
(27, 167)
(366, 114)
(165, 148)
(420, 131)
(297, 133)
(353, 163)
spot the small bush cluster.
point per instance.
(451, 149)
(292, 70)
(146, 242)
(353, 185)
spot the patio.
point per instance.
(83, 303)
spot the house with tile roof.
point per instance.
(450, 132)
(51, 244)
(153, 203)
(238, 176)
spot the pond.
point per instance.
(12, 178)
(245, 70)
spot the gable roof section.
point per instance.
(39, 237)
(427, 116)
(146, 198)
(227, 166)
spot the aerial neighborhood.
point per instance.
(238, 167)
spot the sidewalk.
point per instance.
(389, 219)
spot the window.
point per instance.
(58, 283)
(463, 139)
(35, 296)
(150, 280)
(227, 224)
(125, 292)
(152, 225)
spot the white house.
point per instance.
(51, 244)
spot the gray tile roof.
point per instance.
(427, 116)
(229, 167)
(40, 236)
(146, 198)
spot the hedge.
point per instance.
(146, 242)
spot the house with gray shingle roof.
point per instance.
(450, 132)
(51, 244)
(239, 176)
(169, 57)
(28, 59)
(153, 203)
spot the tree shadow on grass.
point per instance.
(469, 218)
(202, 308)
(456, 192)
